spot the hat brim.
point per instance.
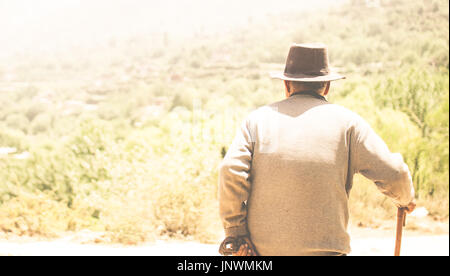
(306, 78)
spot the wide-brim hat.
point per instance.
(307, 63)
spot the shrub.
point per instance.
(18, 121)
(41, 123)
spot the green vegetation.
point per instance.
(127, 139)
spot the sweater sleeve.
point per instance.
(234, 184)
(387, 170)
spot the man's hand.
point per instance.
(411, 206)
(238, 246)
(246, 249)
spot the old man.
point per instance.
(284, 183)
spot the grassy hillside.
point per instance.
(125, 136)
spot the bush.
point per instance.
(41, 123)
(418, 95)
(35, 109)
(18, 121)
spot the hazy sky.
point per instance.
(46, 23)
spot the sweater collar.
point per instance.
(310, 93)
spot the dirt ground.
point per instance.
(364, 242)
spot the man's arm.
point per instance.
(387, 170)
(234, 185)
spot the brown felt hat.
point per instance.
(307, 63)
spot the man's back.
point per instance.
(298, 157)
(299, 169)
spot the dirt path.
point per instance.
(378, 244)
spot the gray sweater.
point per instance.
(286, 178)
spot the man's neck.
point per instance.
(312, 93)
(305, 92)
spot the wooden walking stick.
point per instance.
(401, 220)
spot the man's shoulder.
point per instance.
(261, 111)
(329, 110)
(349, 117)
(326, 107)
(343, 110)
(345, 114)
